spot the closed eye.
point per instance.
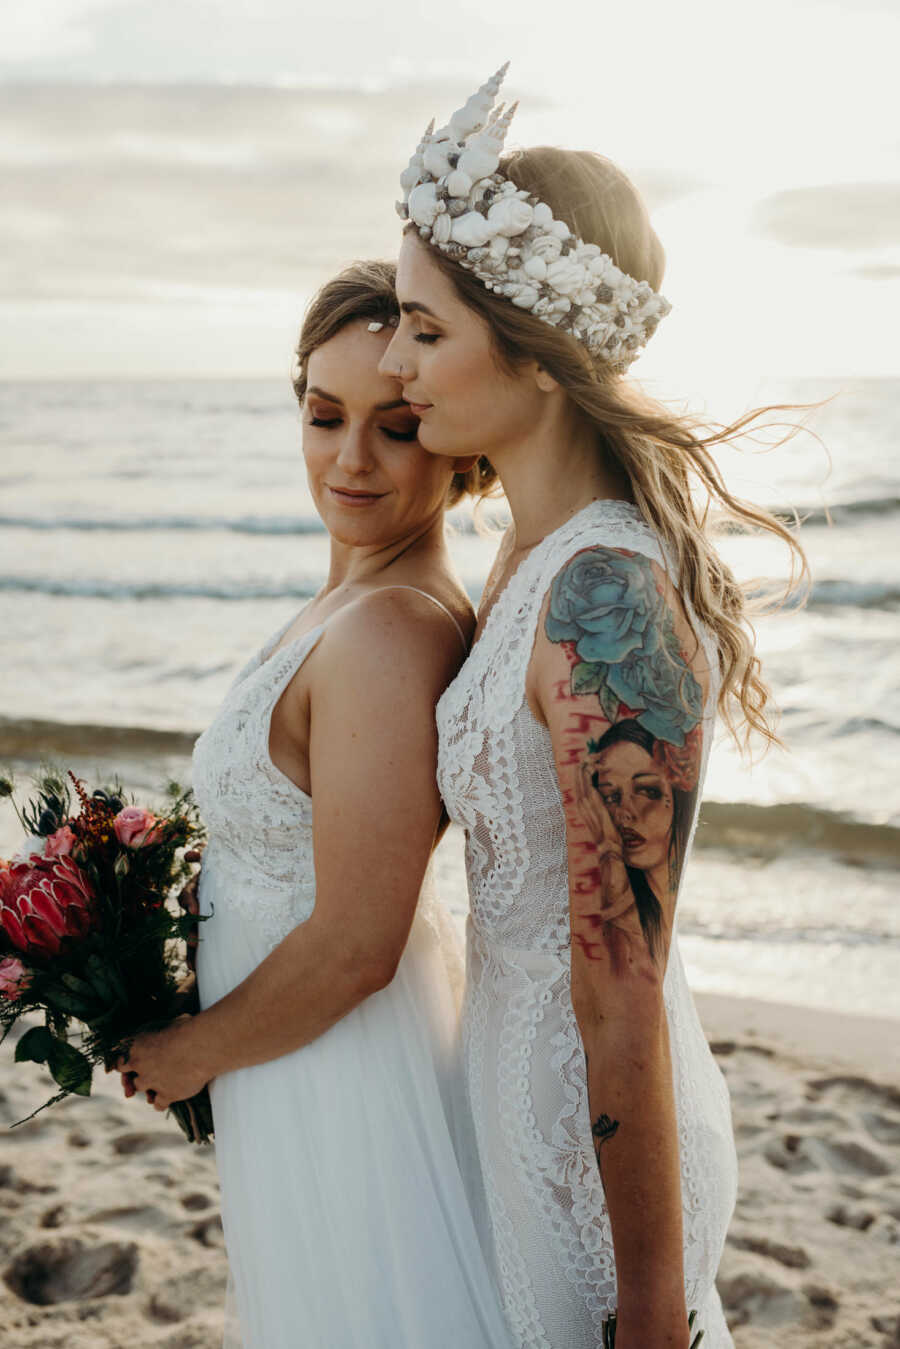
(400, 435)
(426, 337)
(327, 422)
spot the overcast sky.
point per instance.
(179, 175)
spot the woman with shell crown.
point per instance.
(574, 741)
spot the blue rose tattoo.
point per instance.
(607, 604)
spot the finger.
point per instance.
(160, 1104)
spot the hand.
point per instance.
(189, 901)
(163, 1064)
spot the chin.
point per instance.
(431, 439)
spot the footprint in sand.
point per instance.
(67, 1270)
(143, 1141)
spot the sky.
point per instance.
(180, 176)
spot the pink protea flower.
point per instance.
(43, 901)
(13, 978)
(136, 827)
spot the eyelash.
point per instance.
(426, 337)
(329, 423)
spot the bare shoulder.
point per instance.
(398, 635)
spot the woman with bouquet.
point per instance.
(327, 1021)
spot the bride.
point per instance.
(327, 1023)
(574, 742)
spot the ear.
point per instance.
(542, 378)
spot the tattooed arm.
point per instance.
(614, 676)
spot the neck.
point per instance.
(351, 565)
(554, 471)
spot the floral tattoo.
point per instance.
(633, 740)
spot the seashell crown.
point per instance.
(460, 203)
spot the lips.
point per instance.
(353, 496)
(417, 408)
(632, 839)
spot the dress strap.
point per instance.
(434, 600)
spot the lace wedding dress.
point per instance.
(346, 1220)
(524, 1060)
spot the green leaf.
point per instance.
(588, 677)
(34, 1046)
(78, 985)
(71, 1003)
(69, 1067)
(609, 703)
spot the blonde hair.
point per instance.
(665, 454)
(365, 291)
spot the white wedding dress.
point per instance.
(346, 1219)
(524, 1060)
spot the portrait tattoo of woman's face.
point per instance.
(634, 745)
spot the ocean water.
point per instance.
(152, 534)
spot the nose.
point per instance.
(355, 452)
(396, 361)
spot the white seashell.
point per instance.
(459, 184)
(560, 229)
(510, 216)
(499, 246)
(471, 229)
(423, 204)
(566, 277)
(585, 297)
(526, 297)
(435, 157)
(536, 268)
(442, 228)
(479, 160)
(412, 173)
(471, 117)
(543, 216)
(546, 246)
(457, 206)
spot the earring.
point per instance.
(400, 370)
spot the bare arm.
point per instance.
(625, 727)
(376, 810)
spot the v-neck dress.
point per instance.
(347, 1222)
(523, 1054)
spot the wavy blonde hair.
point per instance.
(366, 291)
(665, 454)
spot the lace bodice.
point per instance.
(259, 821)
(524, 1058)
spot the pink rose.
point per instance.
(13, 978)
(61, 843)
(44, 901)
(136, 827)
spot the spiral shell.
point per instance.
(536, 267)
(545, 246)
(441, 229)
(525, 297)
(566, 277)
(476, 110)
(435, 157)
(471, 229)
(510, 216)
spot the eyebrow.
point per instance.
(414, 307)
(333, 398)
(635, 776)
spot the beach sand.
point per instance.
(112, 1239)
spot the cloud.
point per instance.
(878, 271)
(834, 215)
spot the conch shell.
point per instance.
(471, 229)
(479, 159)
(545, 246)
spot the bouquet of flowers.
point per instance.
(86, 934)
